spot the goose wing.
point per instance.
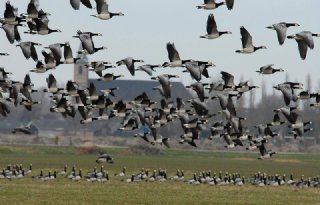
(230, 4)
(211, 25)
(172, 52)
(246, 38)
(102, 6)
(86, 3)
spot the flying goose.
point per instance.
(129, 63)
(12, 32)
(268, 69)
(87, 42)
(148, 68)
(99, 66)
(287, 92)
(174, 57)
(210, 4)
(103, 11)
(76, 4)
(247, 44)
(33, 12)
(198, 87)
(109, 77)
(264, 153)
(194, 70)
(56, 51)
(304, 40)
(212, 31)
(52, 85)
(41, 28)
(228, 80)
(165, 83)
(281, 29)
(28, 49)
(85, 113)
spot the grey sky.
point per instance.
(148, 25)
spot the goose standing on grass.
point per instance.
(129, 63)
(103, 11)
(212, 31)
(174, 57)
(210, 4)
(281, 29)
(29, 50)
(247, 44)
(76, 4)
(268, 69)
(304, 40)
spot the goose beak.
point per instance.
(269, 27)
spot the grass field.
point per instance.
(63, 191)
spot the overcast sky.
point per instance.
(148, 25)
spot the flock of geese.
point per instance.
(13, 172)
(194, 114)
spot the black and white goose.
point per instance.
(174, 57)
(212, 31)
(247, 44)
(210, 4)
(87, 42)
(129, 63)
(281, 29)
(103, 11)
(304, 40)
(29, 50)
(268, 69)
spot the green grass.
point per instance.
(64, 191)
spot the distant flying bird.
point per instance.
(210, 4)
(29, 50)
(268, 69)
(247, 44)
(281, 29)
(174, 57)
(212, 31)
(103, 11)
(304, 40)
(129, 63)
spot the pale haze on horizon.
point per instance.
(147, 26)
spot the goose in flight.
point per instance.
(12, 32)
(29, 50)
(174, 57)
(210, 4)
(281, 29)
(247, 44)
(268, 69)
(212, 31)
(304, 40)
(103, 11)
(129, 63)
(87, 42)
